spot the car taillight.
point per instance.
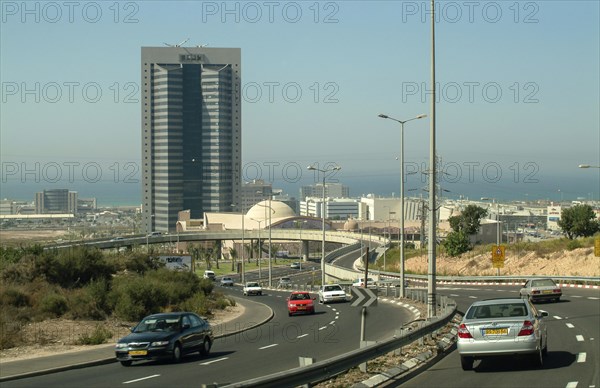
(556, 290)
(527, 329)
(535, 292)
(463, 332)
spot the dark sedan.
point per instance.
(168, 335)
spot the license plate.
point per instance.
(138, 352)
(301, 308)
(547, 292)
(503, 331)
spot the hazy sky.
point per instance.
(518, 87)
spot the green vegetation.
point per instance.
(463, 225)
(83, 283)
(579, 221)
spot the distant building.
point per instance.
(335, 208)
(332, 190)
(86, 205)
(255, 191)
(191, 132)
(56, 201)
(554, 212)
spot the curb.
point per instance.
(110, 360)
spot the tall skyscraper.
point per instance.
(191, 132)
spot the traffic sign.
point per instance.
(597, 247)
(498, 255)
(363, 297)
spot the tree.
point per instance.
(469, 220)
(463, 225)
(457, 243)
(233, 253)
(579, 221)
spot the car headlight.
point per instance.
(121, 345)
(159, 343)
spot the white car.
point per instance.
(252, 288)
(360, 282)
(332, 293)
(226, 281)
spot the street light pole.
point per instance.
(401, 231)
(313, 168)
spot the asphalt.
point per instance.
(255, 314)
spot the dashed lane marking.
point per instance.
(213, 361)
(570, 326)
(557, 317)
(140, 379)
(572, 384)
(268, 346)
(581, 357)
(302, 335)
(579, 338)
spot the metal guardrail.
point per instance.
(326, 369)
(495, 279)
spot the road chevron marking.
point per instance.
(572, 384)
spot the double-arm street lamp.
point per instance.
(324, 172)
(401, 231)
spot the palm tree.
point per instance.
(233, 253)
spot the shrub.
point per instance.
(90, 302)
(198, 304)
(207, 285)
(99, 336)
(10, 331)
(12, 296)
(54, 304)
(134, 297)
(573, 244)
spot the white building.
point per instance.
(335, 208)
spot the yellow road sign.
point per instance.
(597, 247)
(498, 255)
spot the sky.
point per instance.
(518, 92)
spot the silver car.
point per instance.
(541, 289)
(502, 327)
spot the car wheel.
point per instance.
(260, 293)
(206, 345)
(126, 363)
(545, 350)
(177, 353)
(466, 362)
(538, 358)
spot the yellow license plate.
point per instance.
(503, 331)
(138, 352)
(301, 308)
(547, 291)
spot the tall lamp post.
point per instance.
(325, 171)
(497, 222)
(401, 231)
(271, 211)
(259, 249)
(242, 276)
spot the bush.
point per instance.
(574, 244)
(198, 304)
(207, 285)
(12, 296)
(134, 297)
(99, 336)
(10, 331)
(90, 302)
(54, 304)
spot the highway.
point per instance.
(573, 346)
(273, 347)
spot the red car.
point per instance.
(300, 302)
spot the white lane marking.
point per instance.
(570, 326)
(579, 338)
(572, 384)
(268, 346)
(337, 316)
(332, 309)
(141, 379)
(213, 361)
(513, 291)
(557, 317)
(593, 298)
(302, 336)
(323, 328)
(581, 357)
(576, 296)
(332, 322)
(473, 297)
(337, 313)
(453, 294)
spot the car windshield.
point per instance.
(500, 310)
(333, 288)
(300, 297)
(157, 324)
(252, 285)
(543, 283)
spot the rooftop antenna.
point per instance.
(176, 45)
